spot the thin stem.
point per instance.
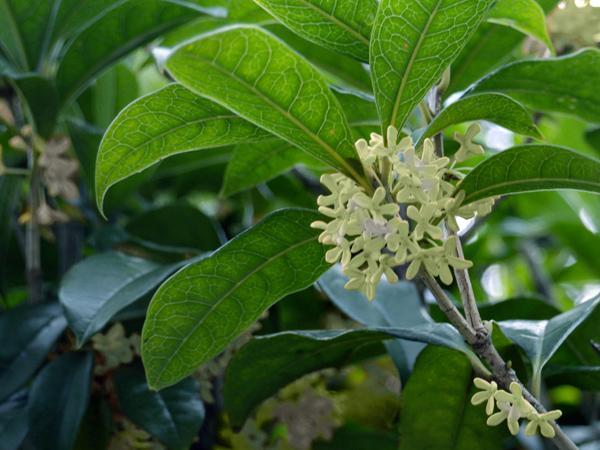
(466, 292)
(448, 308)
(32, 234)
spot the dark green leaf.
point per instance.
(541, 339)
(122, 27)
(58, 399)
(343, 26)
(167, 122)
(173, 415)
(528, 168)
(497, 108)
(436, 407)
(100, 286)
(270, 362)
(42, 100)
(352, 436)
(28, 333)
(202, 308)
(593, 138)
(13, 421)
(412, 43)
(253, 164)
(526, 16)
(554, 84)
(395, 305)
(192, 231)
(255, 75)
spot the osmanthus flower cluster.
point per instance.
(513, 407)
(408, 217)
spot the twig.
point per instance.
(483, 347)
(466, 292)
(32, 235)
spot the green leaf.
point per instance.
(339, 70)
(202, 308)
(100, 286)
(343, 26)
(491, 46)
(526, 16)
(553, 84)
(250, 72)
(541, 339)
(593, 138)
(252, 164)
(42, 100)
(123, 28)
(28, 333)
(167, 122)
(173, 415)
(436, 406)
(395, 305)
(58, 399)
(496, 108)
(13, 421)
(412, 43)
(23, 24)
(268, 363)
(527, 168)
(193, 231)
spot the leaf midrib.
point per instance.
(224, 297)
(336, 20)
(160, 136)
(316, 138)
(411, 61)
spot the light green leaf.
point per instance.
(412, 43)
(252, 164)
(100, 286)
(553, 84)
(497, 108)
(436, 406)
(58, 399)
(28, 334)
(343, 26)
(173, 415)
(202, 308)
(526, 16)
(540, 339)
(268, 363)
(491, 46)
(250, 72)
(167, 122)
(527, 168)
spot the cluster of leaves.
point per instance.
(263, 97)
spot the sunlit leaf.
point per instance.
(169, 121)
(202, 308)
(412, 43)
(344, 26)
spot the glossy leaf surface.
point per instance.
(412, 43)
(202, 308)
(529, 168)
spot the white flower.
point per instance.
(486, 395)
(467, 147)
(542, 421)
